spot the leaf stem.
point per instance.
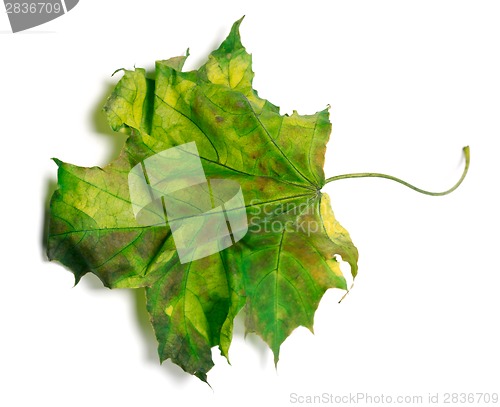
(466, 151)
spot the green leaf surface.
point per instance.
(288, 258)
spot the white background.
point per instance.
(409, 83)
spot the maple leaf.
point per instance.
(282, 266)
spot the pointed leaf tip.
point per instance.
(118, 70)
(233, 40)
